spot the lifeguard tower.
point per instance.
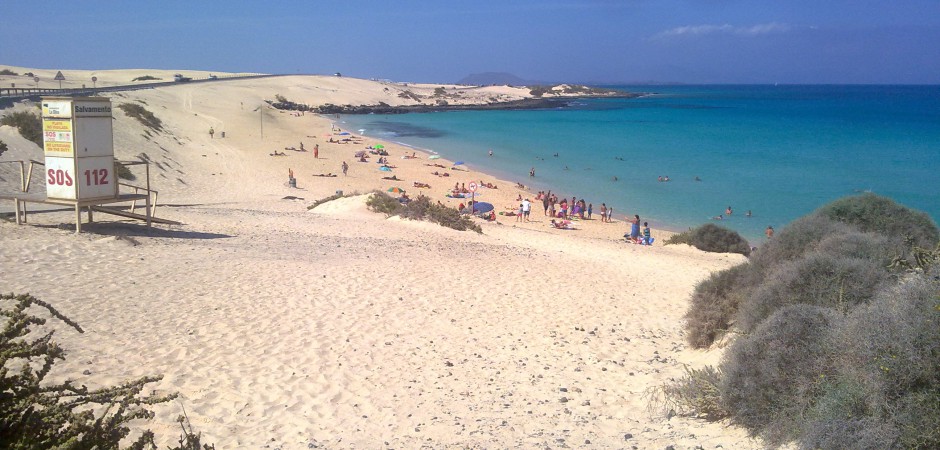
(80, 169)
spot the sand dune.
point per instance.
(338, 328)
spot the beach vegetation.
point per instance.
(684, 237)
(144, 116)
(407, 94)
(28, 124)
(280, 98)
(8, 72)
(695, 394)
(124, 172)
(421, 208)
(539, 91)
(874, 213)
(146, 78)
(836, 330)
(381, 202)
(3, 147)
(712, 238)
(714, 305)
(440, 91)
(38, 413)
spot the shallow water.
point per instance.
(778, 151)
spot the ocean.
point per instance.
(777, 151)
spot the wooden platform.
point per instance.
(21, 199)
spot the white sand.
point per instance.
(282, 327)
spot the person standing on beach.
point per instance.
(545, 201)
(610, 213)
(211, 133)
(590, 210)
(769, 232)
(519, 213)
(635, 228)
(345, 168)
(316, 151)
(526, 209)
(603, 212)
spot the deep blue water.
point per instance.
(779, 151)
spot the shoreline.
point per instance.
(338, 327)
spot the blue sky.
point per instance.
(589, 41)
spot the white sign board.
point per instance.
(79, 148)
(60, 178)
(96, 178)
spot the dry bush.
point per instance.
(854, 244)
(870, 212)
(697, 393)
(891, 348)
(145, 117)
(795, 240)
(770, 375)
(715, 303)
(28, 124)
(712, 238)
(817, 279)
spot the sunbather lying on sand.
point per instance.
(393, 177)
(562, 224)
(324, 175)
(277, 154)
(419, 184)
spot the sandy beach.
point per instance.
(336, 327)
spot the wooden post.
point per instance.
(147, 204)
(78, 218)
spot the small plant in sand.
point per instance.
(8, 72)
(331, 198)
(381, 202)
(36, 413)
(3, 147)
(123, 172)
(28, 124)
(409, 95)
(697, 393)
(145, 117)
(712, 238)
(145, 78)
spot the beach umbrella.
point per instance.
(434, 157)
(482, 207)
(396, 190)
(378, 146)
(345, 133)
(458, 163)
(385, 169)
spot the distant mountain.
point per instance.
(497, 78)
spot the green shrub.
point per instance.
(795, 240)
(770, 376)
(35, 413)
(28, 124)
(712, 238)
(870, 212)
(817, 279)
(3, 147)
(539, 91)
(8, 72)
(142, 115)
(145, 78)
(383, 203)
(684, 237)
(715, 303)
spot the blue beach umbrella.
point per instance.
(482, 207)
(385, 169)
(458, 163)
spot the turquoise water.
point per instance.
(779, 151)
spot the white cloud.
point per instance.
(702, 30)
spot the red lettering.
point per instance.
(51, 179)
(59, 177)
(68, 179)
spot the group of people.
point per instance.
(565, 209)
(636, 235)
